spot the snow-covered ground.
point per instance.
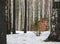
(28, 38)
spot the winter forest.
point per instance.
(36, 10)
(29, 21)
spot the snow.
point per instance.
(28, 38)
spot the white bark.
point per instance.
(19, 15)
(33, 9)
(43, 8)
(11, 13)
(38, 9)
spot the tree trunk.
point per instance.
(55, 24)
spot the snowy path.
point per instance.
(28, 38)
